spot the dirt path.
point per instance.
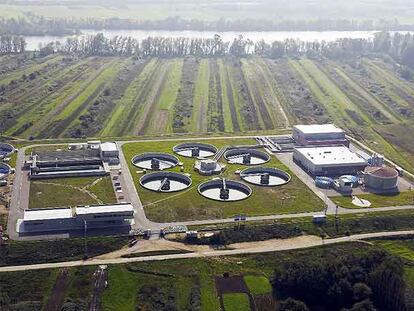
(57, 296)
(144, 246)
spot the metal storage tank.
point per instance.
(382, 178)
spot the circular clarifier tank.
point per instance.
(195, 150)
(246, 156)
(4, 170)
(265, 176)
(224, 190)
(156, 161)
(6, 150)
(165, 181)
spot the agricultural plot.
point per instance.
(72, 192)
(59, 96)
(190, 205)
(361, 113)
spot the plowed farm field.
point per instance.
(63, 97)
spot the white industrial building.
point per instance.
(319, 134)
(329, 160)
(76, 218)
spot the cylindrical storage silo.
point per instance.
(381, 178)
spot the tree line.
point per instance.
(12, 44)
(32, 24)
(398, 46)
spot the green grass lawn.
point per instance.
(409, 275)
(257, 284)
(401, 248)
(63, 192)
(190, 205)
(236, 302)
(377, 200)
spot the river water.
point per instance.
(33, 42)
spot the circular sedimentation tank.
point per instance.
(165, 181)
(246, 156)
(5, 170)
(195, 150)
(155, 161)
(224, 190)
(265, 176)
(6, 150)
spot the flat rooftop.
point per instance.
(109, 147)
(318, 128)
(331, 156)
(47, 213)
(99, 209)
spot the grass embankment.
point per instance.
(236, 302)
(34, 252)
(347, 224)
(403, 248)
(64, 192)
(377, 200)
(189, 204)
(258, 284)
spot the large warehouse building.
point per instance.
(319, 135)
(76, 218)
(329, 160)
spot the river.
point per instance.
(33, 42)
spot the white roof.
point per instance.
(99, 209)
(318, 128)
(334, 155)
(47, 213)
(108, 146)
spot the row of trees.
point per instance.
(39, 25)
(12, 44)
(399, 46)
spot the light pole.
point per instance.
(85, 227)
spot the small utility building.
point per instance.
(329, 160)
(319, 135)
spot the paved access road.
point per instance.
(210, 253)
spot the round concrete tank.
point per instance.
(265, 176)
(246, 156)
(165, 181)
(5, 170)
(6, 150)
(195, 150)
(381, 178)
(224, 190)
(155, 161)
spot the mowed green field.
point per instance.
(188, 204)
(72, 192)
(58, 97)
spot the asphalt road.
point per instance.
(209, 253)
